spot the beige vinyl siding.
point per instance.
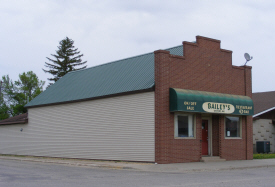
(263, 130)
(116, 128)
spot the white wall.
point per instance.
(264, 130)
(116, 128)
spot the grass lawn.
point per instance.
(263, 156)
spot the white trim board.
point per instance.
(255, 115)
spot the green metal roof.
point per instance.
(209, 102)
(127, 75)
(178, 50)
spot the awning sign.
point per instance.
(209, 102)
(223, 108)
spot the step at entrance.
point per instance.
(212, 159)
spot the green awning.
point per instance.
(209, 102)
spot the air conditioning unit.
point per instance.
(263, 146)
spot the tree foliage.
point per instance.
(4, 109)
(66, 59)
(14, 95)
(29, 84)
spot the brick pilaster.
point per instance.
(161, 105)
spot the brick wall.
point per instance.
(215, 134)
(204, 67)
(233, 149)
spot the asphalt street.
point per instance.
(32, 174)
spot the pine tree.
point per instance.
(67, 57)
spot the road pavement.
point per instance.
(16, 173)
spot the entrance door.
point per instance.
(204, 137)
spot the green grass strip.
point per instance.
(263, 156)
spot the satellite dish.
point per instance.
(247, 57)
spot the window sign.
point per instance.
(228, 133)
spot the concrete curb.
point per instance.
(149, 167)
(70, 162)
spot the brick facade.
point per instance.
(215, 134)
(204, 67)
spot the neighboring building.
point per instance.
(264, 119)
(169, 106)
(19, 119)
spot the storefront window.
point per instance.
(184, 126)
(232, 126)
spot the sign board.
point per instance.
(208, 102)
(216, 108)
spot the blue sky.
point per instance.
(110, 30)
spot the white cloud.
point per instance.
(109, 30)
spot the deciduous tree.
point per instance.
(15, 95)
(4, 109)
(29, 84)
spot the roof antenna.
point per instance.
(247, 57)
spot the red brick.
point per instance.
(204, 67)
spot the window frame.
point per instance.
(240, 122)
(193, 123)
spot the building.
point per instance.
(264, 119)
(169, 106)
(19, 119)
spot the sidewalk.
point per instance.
(137, 166)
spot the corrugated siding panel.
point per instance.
(116, 128)
(132, 74)
(178, 50)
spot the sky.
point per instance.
(109, 30)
